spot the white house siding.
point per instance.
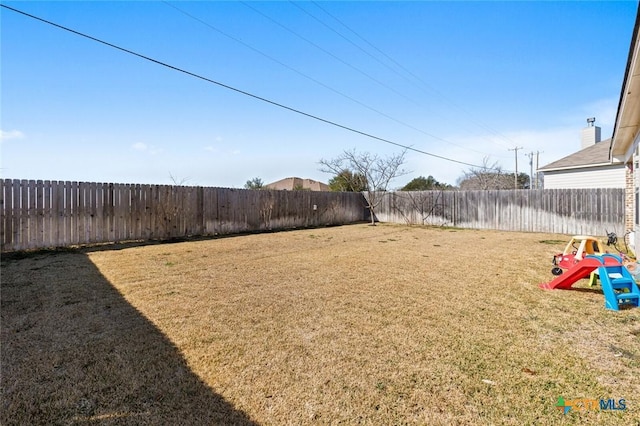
(600, 177)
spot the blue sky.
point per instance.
(464, 80)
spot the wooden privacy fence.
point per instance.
(43, 214)
(561, 211)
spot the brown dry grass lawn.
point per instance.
(345, 325)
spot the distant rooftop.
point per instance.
(293, 183)
(594, 155)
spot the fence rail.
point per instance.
(43, 214)
(561, 211)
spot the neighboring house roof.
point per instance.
(293, 183)
(591, 156)
(625, 131)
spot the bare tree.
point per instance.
(488, 176)
(491, 176)
(178, 181)
(378, 172)
(427, 205)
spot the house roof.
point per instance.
(625, 131)
(293, 183)
(594, 155)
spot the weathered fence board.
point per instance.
(42, 214)
(571, 211)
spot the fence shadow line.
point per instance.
(75, 351)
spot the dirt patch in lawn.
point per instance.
(353, 324)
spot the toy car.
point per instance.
(578, 247)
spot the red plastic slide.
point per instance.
(580, 270)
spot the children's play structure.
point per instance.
(578, 247)
(583, 258)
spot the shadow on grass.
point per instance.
(596, 290)
(75, 351)
(88, 248)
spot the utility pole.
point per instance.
(530, 155)
(537, 166)
(515, 176)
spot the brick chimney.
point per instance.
(590, 135)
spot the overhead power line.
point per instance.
(243, 92)
(320, 83)
(355, 68)
(306, 12)
(322, 49)
(425, 85)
